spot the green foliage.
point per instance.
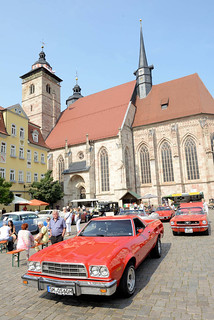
(47, 189)
(6, 196)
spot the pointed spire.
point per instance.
(76, 93)
(143, 73)
(142, 57)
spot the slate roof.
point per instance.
(99, 115)
(79, 166)
(186, 96)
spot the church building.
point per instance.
(136, 137)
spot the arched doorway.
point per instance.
(77, 188)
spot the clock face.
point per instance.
(81, 155)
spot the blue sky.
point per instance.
(100, 39)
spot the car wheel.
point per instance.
(207, 232)
(157, 250)
(128, 281)
(175, 233)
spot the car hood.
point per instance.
(82, 249)
(189, 217)
(164, 213)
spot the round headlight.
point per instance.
(104, 271)
(34, 266)
(94, 271)
(204, 221)
(172, 223)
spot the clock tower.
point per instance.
(41, 95)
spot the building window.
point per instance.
(42, 158)
(22, 133)
(166, 155)
(13, 130)
(191, 159)
(29, 155)
(212, 144)
(35, 136)
(42, 175)
(35, 177)
(145, 165)
(48, 88)
(127, 167)
(13, 151)
(28, 177)
(3, 147)
(12, 175)
(32, 88)
(104, 168)
(21, 153)
(61, 168)
(36, 158)
(2, 173)
(21, 176)
(31, 108)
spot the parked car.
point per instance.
(21, 217)
(102, 258)
(140, 213)
(165, 213)
(47, 213)
(190, 220)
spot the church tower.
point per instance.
(76, 94)
(144, 72)
(41, 95)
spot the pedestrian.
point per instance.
(3, 211)
(68, 219)
(205, 206)
(25, 239)
(5, 232)
(78, 219)
(57, 228)
(13, 234)
(42, 236)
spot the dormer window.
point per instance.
(48, 88)
(35, 136)
(164, 103)
(32, 88)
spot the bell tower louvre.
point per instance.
(41, 95)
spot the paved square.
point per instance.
(179, 286)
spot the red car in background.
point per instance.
(189, 220)
(165, 213)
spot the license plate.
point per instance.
(61, 291)
(188, 230)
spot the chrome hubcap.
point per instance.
(131, 279)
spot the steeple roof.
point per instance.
(142, 57)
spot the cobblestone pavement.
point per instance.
(180, 285)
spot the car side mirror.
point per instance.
(140, 230)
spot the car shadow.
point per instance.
(143, 276)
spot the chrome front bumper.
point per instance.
(79, 287)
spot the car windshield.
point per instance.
(190, 210)
(133, 212)
(107, 228)
(163, 209)
(7, 217)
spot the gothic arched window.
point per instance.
(212, 144)
(104, 170)
(127, 167)
(191, 159)
(145, 165)
(166, 155)
(60, 167)
(32, 88)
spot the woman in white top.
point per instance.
(68, 219)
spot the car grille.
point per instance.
(64, 270)
(187, 222)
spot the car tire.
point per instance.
(175, 233)
(157, 250)
(208, 231)
(128, 281)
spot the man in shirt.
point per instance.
(42, 237)
(57, 228)
(5, 232)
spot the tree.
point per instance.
(47, 189)
(6, 196)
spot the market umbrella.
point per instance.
(36, 202)
(149, 196)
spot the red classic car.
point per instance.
(165, 213)
(100, 259)
(189, 220)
